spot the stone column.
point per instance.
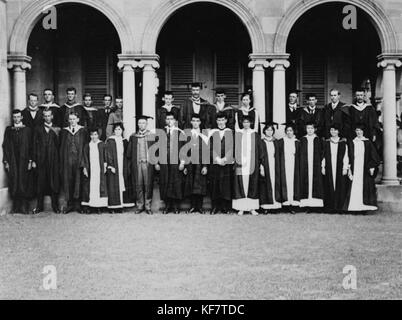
(279, 65)
(258, 63)
(149, 87)
(18, 65)
(127, 64)
(389, 63)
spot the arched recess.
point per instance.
(168, 8)
(381, 22)
(34, 12)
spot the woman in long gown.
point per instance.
(364, 162)
(270, 179)
(247, 110)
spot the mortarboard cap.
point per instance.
(168, 92)
(143, 117)
(219, 91)
(270, 124)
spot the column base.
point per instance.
(390, 182)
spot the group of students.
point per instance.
(197, 149)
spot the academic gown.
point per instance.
(161, 116)
(335, 183)
(30, 122)
(102, 120)
(252, 113)
(119, 189)
(17, 152)
(66, 109)
(289, 159)
(132, 157)
(94, 189)
(249, 157)
(46, 156)
(340, 116)
(71, 153)
(362, 194)
(171, 178)
(367, 116)
(194, 182)
(292, 116)
(311, 187)
(227, 110)
(270, 184)
(221, 177)
(92, 117)
(56, 110)
(187, 111)
(306, 117)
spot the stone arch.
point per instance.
(33, 12)
(376, 13)
(168, 8)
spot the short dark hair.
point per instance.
(118, 125)
(311, 95)
(71, 89)
(108, 96)
(17, 111)
(47, 89)
(33, 95)
(333, 90)
(92, 130)
(290, 125)
(196, 116)
(87, 95)
(73, 113)
(48, 110)
(221, 115)
(168, 114)
(269, 126)
(119, 98)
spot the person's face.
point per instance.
(196, 123)
(335, 96)
(221, 122)
(118, 132)
(290, 133)
(142, 124)
(293, 98)
(73, 120)
(360, 96)
(168, 99)
(17, 118)
(71, 95)
(48, 96)
(246, 100)
(246, 124)
(170, 121)
(196, 92)
(87, 101)
(359, 133)
(33, 101)
(220, 98)
(310, 130)
(312, 102)
(107, 101)
(269, 133)
(334, 133)
(48, 117)
(119, 103)
(94, 136)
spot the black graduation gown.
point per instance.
(112, 179)
(30, 122)
(334, 198)
(368, 117)
(296, 179)
(56, 110)
(102, 120)
(92, 117)
(265, 182)
(239, 115)
(339, 116)
(65, 111)
(257, 160)
(132, 157)
(292, 116)
(161, 116)
(371, 160)
(306, 117)
(221, 177)
(86, 181)
(70, 161)
(187, 111)
(17, 152)
(228, 111)
(46, 156)
(194, 182)
(171, 178)
(318, 186)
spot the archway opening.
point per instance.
(81, 53)
(325, 55)
(207, 43)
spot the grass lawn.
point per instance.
(201, 257)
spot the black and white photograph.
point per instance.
(200, 150)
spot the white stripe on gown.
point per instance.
(271, 161)
(289, 154)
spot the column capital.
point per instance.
(389, 60)
(20, 61)
(127, 60)
(258, 60)
(146, 63)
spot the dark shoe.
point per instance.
(214, 211)
(149, 212)
(201, 211)
(99, 211)
(68, 210)
(176, 211)
(139, 211)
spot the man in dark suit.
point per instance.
(311, 114)
(32, 115)
(195, 105)
(103, 115)
(336, 112)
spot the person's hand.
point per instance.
(204, 171)
(372, 170)
(30, 166)
(350, 176)
(105, 167)
(262, 171)
(345, 172)
(85, 172)
(323, 171)
(181, 166)
(113, 170)
(374, 138)
(34, 165)
(185, 171)
(157, 167)
(7, 167)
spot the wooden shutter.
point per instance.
(227, 75)
(313, 77)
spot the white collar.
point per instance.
(360, 106)
(77, 128)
